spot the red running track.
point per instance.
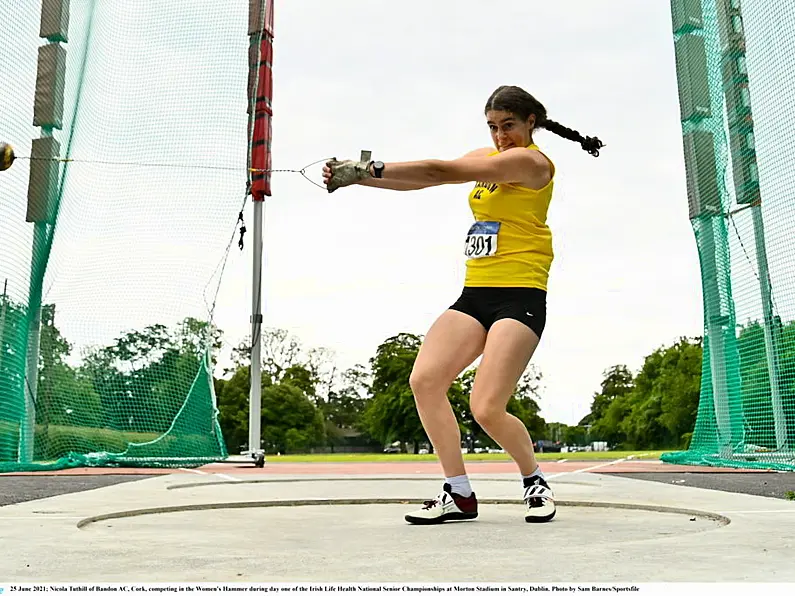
(402, 468)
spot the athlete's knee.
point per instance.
(427, 383)
(486, 412)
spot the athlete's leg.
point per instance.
(452, 343)
(509, 347)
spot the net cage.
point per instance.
(735, 62)
(133, 126)
(131, 123)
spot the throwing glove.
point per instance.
(347, 172)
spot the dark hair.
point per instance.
(516, 100)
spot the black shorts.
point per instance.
(487, 305)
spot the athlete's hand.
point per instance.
(337, 174)
(326, 173)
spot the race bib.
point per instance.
(482, 239)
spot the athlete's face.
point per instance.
(508, 130)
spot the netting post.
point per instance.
(746, 184)
(771, 344)
(699, 68)
(260, 87)
(42, 189)
(3, 308)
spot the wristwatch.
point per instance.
(378, 168)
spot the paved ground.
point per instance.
(18, 489)
(228, 522)
(272, 527)
(768, 484)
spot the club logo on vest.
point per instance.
(480, 187)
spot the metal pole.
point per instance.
(771, 347)
(700, 75)
(260, 89)
(28, 426)
(746, 181)
(3, 307)
(48, 115)
(27, 430)
(255, 406)
(717, 327)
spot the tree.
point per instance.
(664, 402)
(609, 427)
(609, 406)
(756, 390)
(655, 409)
(320, 363)
(391, 413)
(574, 435)
(523, 403)
(195, 337)
(301, 378)
(13, 333)
(345, 405)
(290, 421)
(617, 382)
(280, 351)
(233, 406)
(679, 388)
(459, 394)
(65, 396)
(144, 377)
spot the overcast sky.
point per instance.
(166, 82)
(411, 84)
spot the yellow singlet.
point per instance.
(510, 244)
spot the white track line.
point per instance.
(192, 471)
(763, 511)
(224, 476)
(229, 478)
(42, 517)
(610, 463)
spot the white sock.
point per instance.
(538, 473)
(460, 485)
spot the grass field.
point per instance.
(407, 457)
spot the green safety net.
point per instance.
(735, 63)
(150, 175)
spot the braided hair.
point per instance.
(516, 100)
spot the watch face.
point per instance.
(379, 165)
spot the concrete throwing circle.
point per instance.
(368, 540)
(376, 518)
(332, 505)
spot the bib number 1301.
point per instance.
(482, 239)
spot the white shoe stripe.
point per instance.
(538, 491)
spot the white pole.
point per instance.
(255, 399)
(260, 32)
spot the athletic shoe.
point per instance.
(540, 500)
(445, 507)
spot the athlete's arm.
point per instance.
(398, 184)
(392, 184)
(512, 166)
